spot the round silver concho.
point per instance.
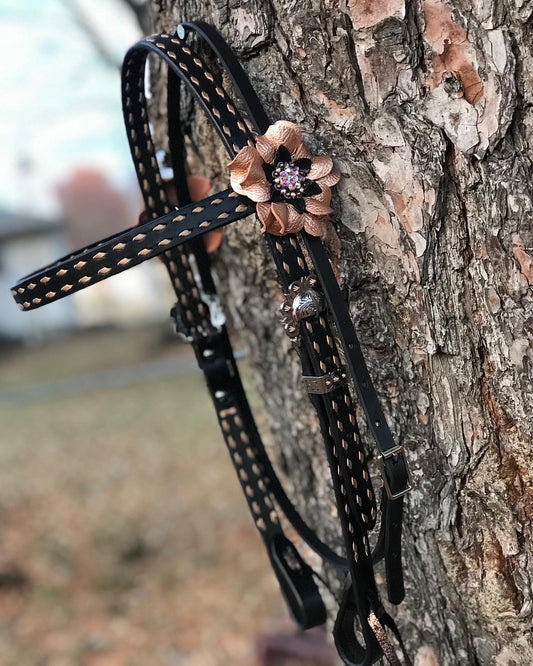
(302, 302)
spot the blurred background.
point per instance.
(114, 549)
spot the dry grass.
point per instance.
(124, 539)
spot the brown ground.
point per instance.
(124, 539)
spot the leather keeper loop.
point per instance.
(297, 584)
(350, 649)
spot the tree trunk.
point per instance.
(427, 107)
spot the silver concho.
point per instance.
(302, 302)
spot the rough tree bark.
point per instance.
(427, 106)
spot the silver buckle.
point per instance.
(215, 318)
(324, 383)
(395, 451)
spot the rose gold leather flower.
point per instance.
(291, 186)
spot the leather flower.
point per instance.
(290, 185)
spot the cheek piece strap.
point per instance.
(315, 316)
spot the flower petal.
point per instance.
(323, 197)
(256, 191)
(311, 188)
(304, 164)
(302, 151)
(296, 221)
(240, 165)
(273, 227)
(321, 165)
(256, 173)
(282, 155)
(315, 226)
(316, 207)
(331, 179)
(281, 213)
(276, 225)
(266, 148)
(285, 133)
(264, 214)
(247, 175)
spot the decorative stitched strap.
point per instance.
(165, 234)
(358, 537)
(229, 123)
(128, 248)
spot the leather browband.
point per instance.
(316, 315)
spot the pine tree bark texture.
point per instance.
(427, 106)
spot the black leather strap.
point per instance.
(294, 575)
(212, 347)
(334, 466)
(291, 265)
(220, 356)
(128, 248)
(175, 235)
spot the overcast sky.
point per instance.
(60, 98)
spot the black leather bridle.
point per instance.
(175, 235)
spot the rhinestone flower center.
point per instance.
(288, 180)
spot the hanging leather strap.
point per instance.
(175, 234)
